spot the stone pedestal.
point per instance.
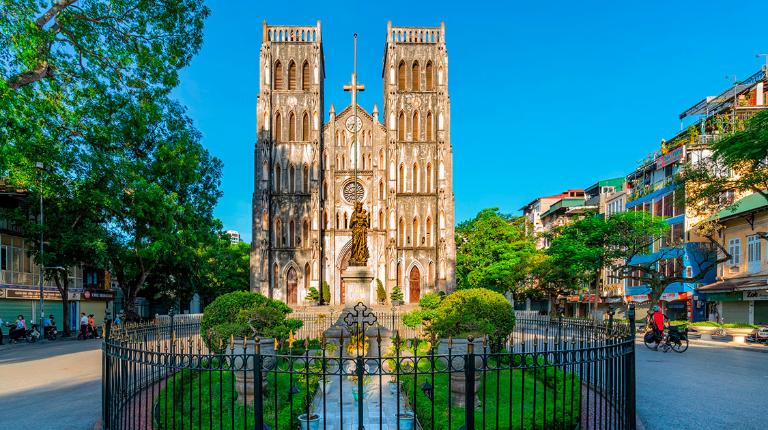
(357, 281)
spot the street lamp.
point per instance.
(40, 168)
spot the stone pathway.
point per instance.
(372, 419)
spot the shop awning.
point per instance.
(744, 283)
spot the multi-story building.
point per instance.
(234, 236)
(310, 173)
(533, 210)
(740, 293)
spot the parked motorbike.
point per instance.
(759, 336)
(32, 334)
(51, 332)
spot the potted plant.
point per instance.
(309, 421)
(381, 293)
(313, 296)
(739, 331)
(705, 328)
(396, 296)
(406, 420)
(366, 382)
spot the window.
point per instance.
(415, 126)
(291, 179)
(430, 127)
(401, 127)
(658, 207)
(429, 178)
(278, 233)
(430, 77)
(401, 76)
(401, 179)
(305, 234)
(667, 205)
(278, 128)
(753, 253)
(678, 202)
(429, 231)
(415, 76)
(381, 190)
(291, 234)
(734, 248)
(292, 76)
(278, 76)
(291, 127)
(305, 178)
(381, 159)
(401, 232)
(305, 76)
(415, 232)
(415, 178)
(305, 127)
(278, 178)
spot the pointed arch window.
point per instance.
(278, 127)
(415, 77)
(305, 127)
(307, 276)
(278, 178)
(415, 178)
(291, 234)
(337, 220)
(401, 127)
(278, 76)
(428, 232)
(401, 233)
(429, 178)
(291, 127)
(276, 276)
(415, 232)
(279, 233)
(415, 127)
(381, 190)
(305, 179)
(430, 127)
(292, 76)
(382, 220)
(430, 77)
(292, 179)
(305, 234)
(401, 76)
(305, 76)
(401, 178)
(381, 159)
(346, 221)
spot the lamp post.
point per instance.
(40, 167)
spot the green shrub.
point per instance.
(239, 313)
(740, 325)
(381, 293)
(705, 324)
(313, 295)
(473, 311)
(326, 292)
(397, 294)
(426, 311)
(430, 301)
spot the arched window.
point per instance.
(305, 76)
(430, 127)
(415, 178)
(278, 127)
(307, 276)
(291, 127)
(401, 179)
(401, 232)
(291, 179)
(343, 161)
(305, 234)
(382, 220)
(292, 76)
(399, 273)
(291, 234)
(429, 231)
(415, 76)
(415, 126)
(429, 178)
(278, 178)
(337, 138)
(276, 276)
(381, 190)
(279, 233)
(346, 221)
(401, 76)
(401, 127)
(305, 127)
(305, 179)
(430, 77)
(278, 77)
(415, 232)
(381, 159)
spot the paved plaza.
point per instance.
(50, 385)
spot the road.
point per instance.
(50, 385)
(706, 387)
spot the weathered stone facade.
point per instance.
(304, 174)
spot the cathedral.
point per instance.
(309, 173)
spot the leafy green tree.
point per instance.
(493, 251)
(396, 295)
(381, 293)
(223, 268)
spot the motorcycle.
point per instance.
(675, 338)
(759, 336)
(50, 332)
(32, 334)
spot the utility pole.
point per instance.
(40, 167)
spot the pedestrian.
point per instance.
(19, 329)
(83, 326)
(92, 327)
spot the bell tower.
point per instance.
(286, 251)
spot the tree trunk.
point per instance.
(63, 285)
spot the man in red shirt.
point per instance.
(658, 322)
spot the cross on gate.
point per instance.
(360, 317)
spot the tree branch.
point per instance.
(57, 7)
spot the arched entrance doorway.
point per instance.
(291, 281)
(415, 285)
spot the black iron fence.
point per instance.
(549, 373)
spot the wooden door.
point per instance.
(415, 285)
(291, 282)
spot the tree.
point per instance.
(493, 251)
(222, 268)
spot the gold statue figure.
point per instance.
(360, 222)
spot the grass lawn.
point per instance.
(541, 399)
(206, 399)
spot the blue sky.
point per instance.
(544, 95)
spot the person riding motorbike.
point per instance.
(658, 319)
(18, 330)
(49, 325)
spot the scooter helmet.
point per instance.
(655, 308)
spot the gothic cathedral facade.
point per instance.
(304, 187)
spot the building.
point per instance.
(533, 210)
(20, 278)
(740, 293)
(305, 187)
(234, 236)
(562, 212)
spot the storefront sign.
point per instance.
(671, 297)
(756, 295)
(13, 293)
(670, 157)
(640, 298)
(99, 295)
(573, 299)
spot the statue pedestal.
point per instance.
(357, 282)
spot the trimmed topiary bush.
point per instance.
(473, 311)
(381, 293)
(234, 314)
(396, 295)
(426, 311)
